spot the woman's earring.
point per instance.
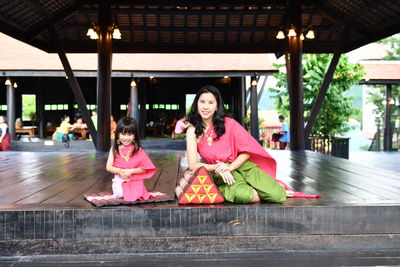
(118, 142)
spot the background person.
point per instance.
(5, 137)
(113, 127)
(282, 136)
(180, 128)
(94, 118)
(284, 139)
(64, 128)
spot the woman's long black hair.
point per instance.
(218, 118)
(127, 125)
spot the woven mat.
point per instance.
(106, 199)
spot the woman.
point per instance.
(5, 136)
(180, 128)
(244, 171)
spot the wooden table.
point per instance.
(28, 129)
(82, 132)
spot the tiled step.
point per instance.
(205, 229)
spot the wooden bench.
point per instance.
(28, 129)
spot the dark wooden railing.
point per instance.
(334, 146)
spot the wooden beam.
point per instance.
(205, 3)
(373, 5)
(37, 8)
(73, 83)
(52, 20)
(104, 61)
(324, 88)
(12, 25)
(350, 23)
(200, 29)
(191, 12)
(392, 26)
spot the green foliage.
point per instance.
(394, 44)
(378, 97)
(337, 108)
(28, 107)
(246, 121)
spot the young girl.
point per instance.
(128, 161)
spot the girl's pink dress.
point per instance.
(134, 189)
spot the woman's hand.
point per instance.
(227, 177)
(223, 170)
(221, 167)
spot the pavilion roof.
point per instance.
(16, 55)
(382, 71)
(235, 26)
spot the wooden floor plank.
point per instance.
(167, 182)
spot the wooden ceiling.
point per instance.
(161, 26)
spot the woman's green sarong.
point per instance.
(247, 177)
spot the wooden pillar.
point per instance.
(134, 101)
(254, 109)
(104, 56)
(241, 100)
(387, 140)
(295, 80)
(11, 110)
(40, 108)
(142, 111)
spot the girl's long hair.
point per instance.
(127, 125)
(218, 118)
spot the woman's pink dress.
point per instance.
(134, 189)
(237, 140)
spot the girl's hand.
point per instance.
(124, 174)
(129, 172)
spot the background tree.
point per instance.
(337, 108)
(394, 44)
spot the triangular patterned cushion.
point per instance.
(198, 189)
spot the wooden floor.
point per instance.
(35, 180)
(51, 179)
